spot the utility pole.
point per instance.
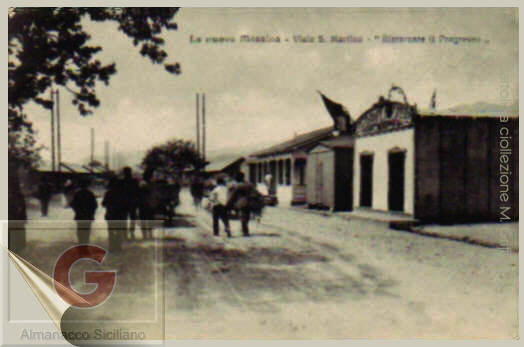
(58, 138)
(106, 155)
(52, 131)
(92, 145)
(204, 127)
(198, 123)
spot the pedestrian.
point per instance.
(197, 190)
(130, 187)
(148, 202)
(116, 213)
(270, 184)
(241, 199)
(44, 195)
(16, 209)
(219, 198)
(69, 193)
(84, 205)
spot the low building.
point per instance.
(226, 165)
(286, 162)
(436, 167)
(329, 174)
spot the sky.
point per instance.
(258, 94)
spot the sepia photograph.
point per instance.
(263, 173)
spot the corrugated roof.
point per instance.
(299, 142)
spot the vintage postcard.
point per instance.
(262, 173)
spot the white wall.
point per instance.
(380, 145)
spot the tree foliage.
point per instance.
(49, 46)
(171, 159)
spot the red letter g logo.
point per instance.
(105, 280)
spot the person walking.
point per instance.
(44, 195)
(116, 213)
(84, 205)
(218, 198)
(69, 193)
(131, 190)
(16, 209)
(241, 200)
(197, 190)
(148, 202)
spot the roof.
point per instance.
(223, 163)
(479, 109)
(76, 168)
(342, 141)
(451, 113)
(299, 142)
(66, 167)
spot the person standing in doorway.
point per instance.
(44, 195)
(218, 198)
(131, 191)
(84, 205)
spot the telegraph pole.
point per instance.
(52, 131)
(198, 123)
(92, 145)
(58, 138)
(106, 155)
(204, 127)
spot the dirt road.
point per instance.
(298, 276)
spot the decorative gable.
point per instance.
(385, 116)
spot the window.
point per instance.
(253, 173)
(281, 172)
(288, 171)
(260, 173)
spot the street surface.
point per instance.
(299, 275)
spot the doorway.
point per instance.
(319, 184)
(366, 180)
(396, 161)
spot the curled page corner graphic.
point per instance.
(42, 286)
(76, 319)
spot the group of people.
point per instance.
(240, 196)
(125, 200)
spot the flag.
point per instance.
(338, 112)
(433, 103)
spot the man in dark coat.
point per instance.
(242, 197)
(131, 190)
(16, 211)
(44, 195)
(116, 213)
(84, 204)
(197, 190)
(148, 203)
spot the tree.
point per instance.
(173, 158)
(49, 46)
